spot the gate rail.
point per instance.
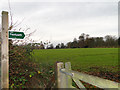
(66, 75)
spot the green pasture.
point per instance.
(80, 58)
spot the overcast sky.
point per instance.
(63, 20)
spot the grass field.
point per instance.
(81, 58)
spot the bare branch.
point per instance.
(18, 23)
(10, 14)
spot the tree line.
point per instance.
(83, 41)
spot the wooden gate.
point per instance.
(65, 76)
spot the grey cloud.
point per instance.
(69, 8)
(67, 20)
(79, 11)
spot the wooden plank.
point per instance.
(96, 81)
(4, 52)
(73, 87)
(79, 84)
(59, 65)
(68, 78)
(61, 78)
(99, 82)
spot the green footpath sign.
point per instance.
(17, 35)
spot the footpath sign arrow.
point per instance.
(17, 35)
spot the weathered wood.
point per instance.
(76, 76)
(74, 87)
(68, 78)
(99, 82)
(4, 52)
(79, 84)
(0, 59)
(61, 78)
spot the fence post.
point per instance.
(61, 77)
(4, 52)
(0, 60)
(68, 78)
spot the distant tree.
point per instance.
(50, 47)
(119, 41)
(87, 41)
(82, 37)
(110, 41)
(62, 45)
(58, 46)
(81, 40)
(47, 44)
(91, 42)
(69, 45)
(75, 40)
(75, 43)
(42, 46)
(99, 42)
(87, 36)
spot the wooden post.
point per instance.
(4, 52)
(0, 60)
(61, 77)
(68, 78)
